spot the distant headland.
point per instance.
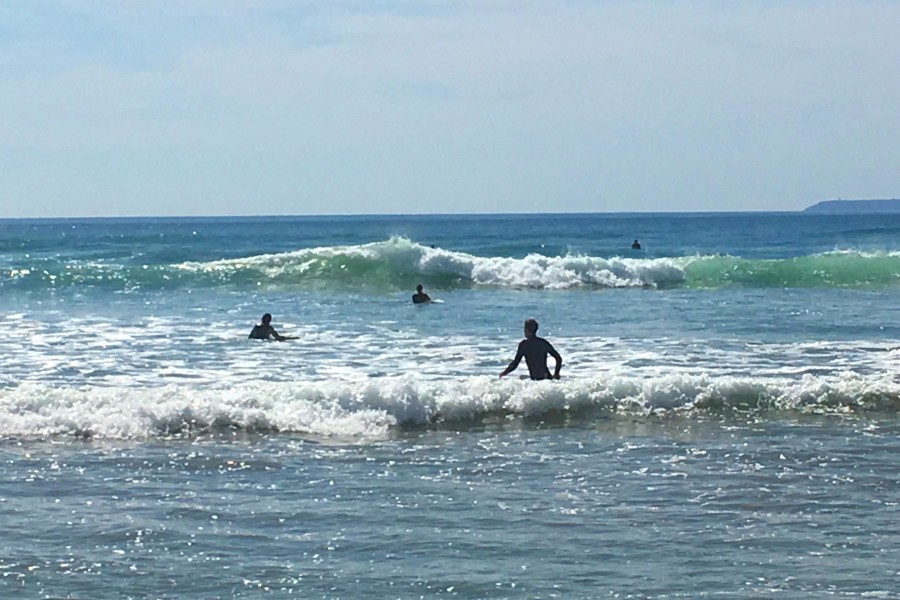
(845, 207)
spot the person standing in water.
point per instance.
(535, 350)
(420, 297)
(635, 245)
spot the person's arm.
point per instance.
(552, 352)
(271, 334)
(280, 338)
(515, 362)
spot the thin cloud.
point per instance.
(434, 107)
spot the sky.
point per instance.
(256, 107)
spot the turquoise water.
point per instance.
(726, 426)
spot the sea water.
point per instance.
(726, 425)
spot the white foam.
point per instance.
(363, 410)
(532, 271)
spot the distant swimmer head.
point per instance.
(531, 327)
(419, 288)
(266, 319)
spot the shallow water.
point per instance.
(656, 507)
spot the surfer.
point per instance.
(420, 297)
(265, 331)
(635, 245)
(535, 351)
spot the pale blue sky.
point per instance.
(211, 107)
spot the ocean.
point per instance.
(727, 424)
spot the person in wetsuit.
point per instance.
(535, 351)
(420, 297)
(265, 331)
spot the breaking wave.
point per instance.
(361, 411)
(399, 263)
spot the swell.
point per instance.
(399, 263)
(838, 269)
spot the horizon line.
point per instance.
(400, 214)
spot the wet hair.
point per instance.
(266, 318)
(531, 324)
(419, 288)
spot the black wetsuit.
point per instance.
(263, 332)
(535, 350)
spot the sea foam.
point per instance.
(376, 407)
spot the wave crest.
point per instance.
(399, 263)
(375, 408)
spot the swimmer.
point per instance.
(420, 297)
(265, 331)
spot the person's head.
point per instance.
(266, 319)
(531, 327)
(419, 288)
